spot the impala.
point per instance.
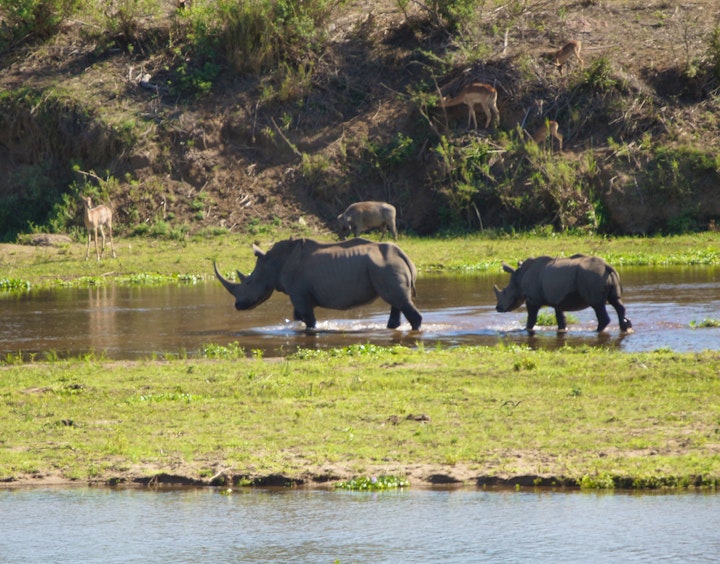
(562, 55)
(549, 127)
(472, 94)
(97, 217)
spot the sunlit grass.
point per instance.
(589, 415)
(144, 261)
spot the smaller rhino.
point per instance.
(565, 284)
(365, 216)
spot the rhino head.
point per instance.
(254, 289)
(511, 297)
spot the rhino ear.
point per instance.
(258, 251)
(507, 268)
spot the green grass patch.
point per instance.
(160, 261)
(600, 418)
(365, 483)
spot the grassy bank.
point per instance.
(153, 261)
(584, 417)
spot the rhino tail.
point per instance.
(615, 284)
(413, 271)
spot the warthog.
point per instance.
(565, 284)
(335, 276)
(365, 216)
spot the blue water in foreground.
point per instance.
(467, 525)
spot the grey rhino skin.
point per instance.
(566, 284)
(335, 276)
(365, 216)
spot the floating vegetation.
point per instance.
(373, 484)
(8, 284)
(705, 323)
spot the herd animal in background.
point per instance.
(471, 95)
(366, 216)
(486, 96)
(562, 55)
(548, 128)
(95, 218)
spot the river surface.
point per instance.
(316, 526)
(141, 322)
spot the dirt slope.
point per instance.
(238, 158)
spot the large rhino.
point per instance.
(335, 276)
(566, 284)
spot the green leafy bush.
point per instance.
(38, 19)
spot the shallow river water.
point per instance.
(317, 526)
(133, 322)
(465, 525)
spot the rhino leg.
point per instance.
(625, 323)
(394, 321)
(307, 317)
(532, 317)
(602, 317)
(561, 321)
(413, 316)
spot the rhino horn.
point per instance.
(507, 268)
(241, 276)
(229, 286)
(497, 291)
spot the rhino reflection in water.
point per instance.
(335, 276)
(565, 284)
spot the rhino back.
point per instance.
(341, 276)
(529, 278)
(576, 282)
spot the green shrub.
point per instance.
(38, 19)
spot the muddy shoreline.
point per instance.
(420, 477)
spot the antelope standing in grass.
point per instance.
(549, 127)
(562, 55)
(475, 93)
(97, 217)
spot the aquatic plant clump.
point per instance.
(707, 322)
(7, 284)
(373, 483)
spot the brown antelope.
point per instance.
(475, 93)
(562, 55)
(549, 127)
(95, 217)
